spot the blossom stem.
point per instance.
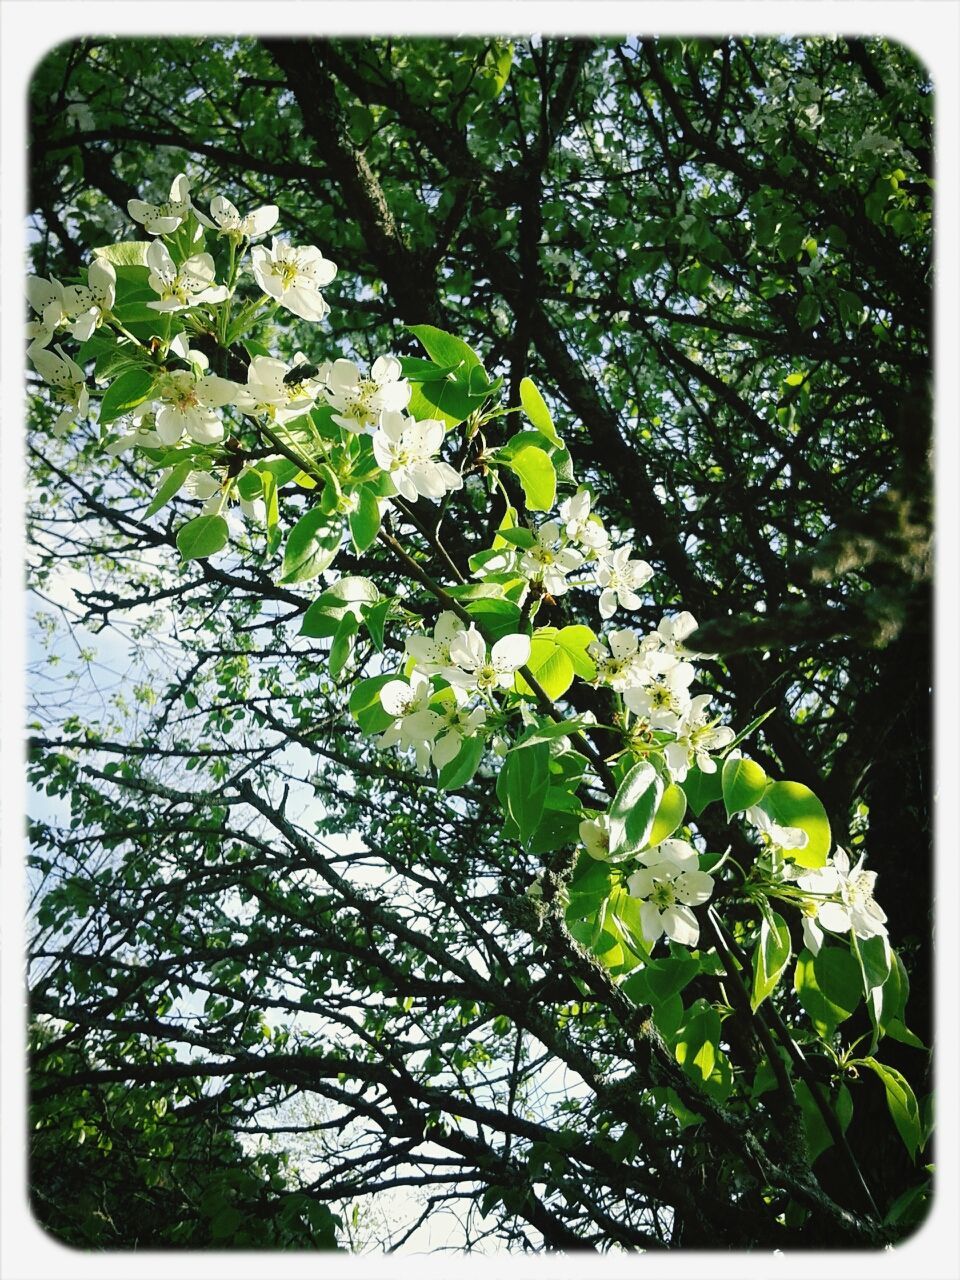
(434, 542)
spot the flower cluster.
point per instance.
(654, 676)
(575, 542)
(668, 882)
(452, 678)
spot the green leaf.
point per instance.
(743, 783)
(444, 349)
(770, 957)
(225, 1223)
(365, 520)
(448, 401)
(495, 617)
(701, 789)
(897, 1031)
(885, 1004)
(663, 979)
(818, 1136)
(549, 665)
(458, 771)
(909, 1209)
(548, 731)
(634, 809)
(117, 359)
(129, 253)
(271, 503)
(875, 958)
(751, 728)
(791, 804)
(416, 370)
(375, 617)
(515, 537)
(347, 596)
(697, 1043)
(902, 1103)
(312, 546)
(808, 312)
(527, 776)
(535, 407)
(670, 813)
(100, 343)
(557, 827)
(537, 477)
(170, 487)
(125, 393)
(282, 470)
(575, 641)
(366, 707)
(342, 648)
(202, 537)
(828, 987)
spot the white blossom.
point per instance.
(161, 219)
(474, 671)
(360, 401)
(406, 449)
(668, 887)
(773, 833)
(620, 579)
(672, 632)
(46, 298)
(189, 403)
(213, 492)
(143, 436)
(267, 391)
(664, 699)
(294, 275)
(183, 286)
(67, 377)
(595, 836)
(619, 661)
(403, 700)
(853, 905)
(581, 526)
(432, 655)
(92, 302)
(225, 219)
(696, 738)
(548, 561)
(444, 725)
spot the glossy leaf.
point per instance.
(202, 537)
(312, 545)
(634, 809)
(743, 783)
(770, 957)
(791, 804)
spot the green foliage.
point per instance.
(311, 546)
(125, 393)
(828, 987)
(791, 804)
(201, 537)
(634, 809)
(743, 783)
(770, 957)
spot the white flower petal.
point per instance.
(681, 925)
